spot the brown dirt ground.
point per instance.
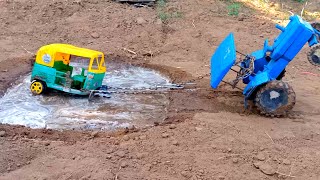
(207, 134)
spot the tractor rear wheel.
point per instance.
(275, 99)
(314, 55)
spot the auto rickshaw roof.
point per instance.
(70, 49)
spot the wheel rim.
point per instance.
(36, 87)
(272, 99)
(315, 57)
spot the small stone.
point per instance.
(2, 133)
(47, 143)
(140, 155)
(257, 164)
(121, 154)
(267, 169)
(109, 151)
(240, 18)
(260, 157)
(235, 160)
(140, 20)
(262, 148)
(148, 167)
(123, 164)
(94, 134)
(198, 128)
(175, 142)
(186, 174)
(158, 22)
(286, 162)
(143, 137)
(136, 138)
(165, 135)
(172, 126)
(108, 156)
(5, 70)
(126, 138)
(95, 35)
(229, 149)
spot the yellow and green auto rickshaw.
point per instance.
(67, 68)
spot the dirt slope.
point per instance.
(211, 136)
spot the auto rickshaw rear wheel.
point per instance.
(38, 87)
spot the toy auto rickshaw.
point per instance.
(67, 68)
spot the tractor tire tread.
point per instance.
(311, 51)
(284, 110)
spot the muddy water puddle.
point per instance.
(56, 110)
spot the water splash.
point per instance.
(58, 110)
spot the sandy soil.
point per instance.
(207, 134)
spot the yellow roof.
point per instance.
(70, 49)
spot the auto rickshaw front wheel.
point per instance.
(37, 87)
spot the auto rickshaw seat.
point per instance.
(79, 78)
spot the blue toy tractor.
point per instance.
(264, 69)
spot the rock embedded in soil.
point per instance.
(121, 154)
(143, 137)
(198, 128)
(2, 133)
(123, 164)
(260, 157)
(175, 142)
(286, 162)
(235, 160)
(172, 126)
(186, 174)
(140, 20)
(165, 135)
(257, 164)
(140, 156)
(126, 138)
(95, 35)
(267, 169)
(94, 134)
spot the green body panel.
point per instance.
(43, 73)
(59, 78)
(95, 82)
(60, 66)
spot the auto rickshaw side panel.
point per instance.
(93, 81)
(43, 73)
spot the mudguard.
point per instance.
(222, 60)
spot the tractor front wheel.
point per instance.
(314, 55)
(37, 87)
(275, 99)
